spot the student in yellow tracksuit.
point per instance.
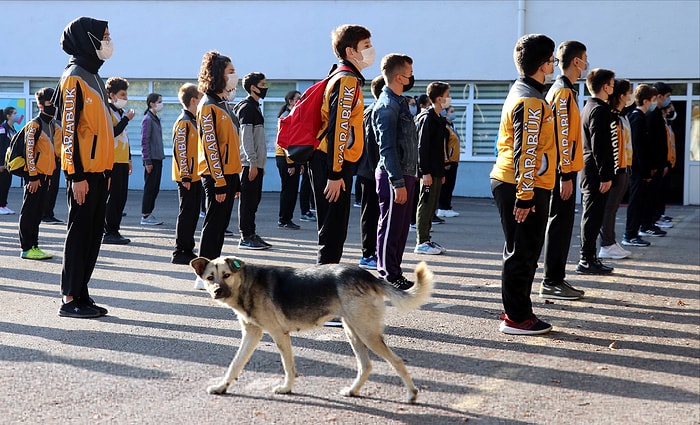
(522, 180)
(40, 135)
(563, 99)
(332, 164)
(218, 151)
(87, 156)
(189, 184)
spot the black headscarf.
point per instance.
(76, 41)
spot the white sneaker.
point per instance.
(447, 213)
(438, 246)
(151, 220)
(611, 251)
(6, 211)
(622, 250)
(199, 284)
(664, 224)
(427, 248)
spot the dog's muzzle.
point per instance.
(218, 291)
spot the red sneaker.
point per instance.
(531, 326)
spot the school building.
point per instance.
(159, 46)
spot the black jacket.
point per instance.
(642, 153)
(432, 136)
(598, 133)
(658, 138)
(370, 154)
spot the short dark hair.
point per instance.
(531, 51)
(187, 92)
(211, 73)
(644, 92)
(436, 89)
(9, 110)
(621, 88)
(568, 50)
(347, 36)
(662, 88)
(116, 84)
(392, 64)
(597, 78)
(44, 94)
(252, 79)
(377, 85)
(423, 101)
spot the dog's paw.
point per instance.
(412, 395)
(217, 389)
(348, 392)
(282, 389)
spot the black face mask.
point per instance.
(262, 93)
(50, 110)
(409, 86)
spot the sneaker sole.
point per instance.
(515, 331)
(367, 267)
(639, 245)
(256, 248)
(652, 235)
(561, 297)
(595, 273)
(62, 313)
(427, 253)
(613, 257)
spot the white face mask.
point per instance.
(119, 103)
(159, 106)
(548, 78)
(368, 56)
(231, 95)
(231, 81)
(106, 50)
(447, 103)
(629, 102)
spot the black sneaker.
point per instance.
(593, 266)
(182, 257)
(51, 220)
(437, 220)
(91, 303)
(560, 291)
(78, 311)
(635, 242)
(259, 239)
(115, 239)
(228, 232)
(653, 231)
(251, 243)
(290, 225)
(401, 283)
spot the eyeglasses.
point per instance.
(554, 61)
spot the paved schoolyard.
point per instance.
(150, 360)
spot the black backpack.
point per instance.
(15, 160)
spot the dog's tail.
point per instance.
(415, 296)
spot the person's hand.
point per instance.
(131, 168)
(605, 186)
(665, 171)
(252, 173)
(427, 180)
(521, 213)
(2, 168)
(186, 185)
(130, 114)
(109, 183)
(333, 188)
(80, 191)
(149, 168)
(443, 180)
(33, 186)
(400, 195)
(566, 188)
(290, 171)
(220, 197)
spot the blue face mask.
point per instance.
(666, 102)
(452, 116)
(652, 106)
(413, 109)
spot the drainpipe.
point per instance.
(521, 18)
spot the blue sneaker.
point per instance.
(368, 263)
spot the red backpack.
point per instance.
(298, 133)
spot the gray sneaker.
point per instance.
(560, 291)
(251, 243)
(151, 220)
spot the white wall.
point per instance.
(455, 40)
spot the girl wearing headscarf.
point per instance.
(87, 156)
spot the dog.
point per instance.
(280, 300)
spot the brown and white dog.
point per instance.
(280, 300)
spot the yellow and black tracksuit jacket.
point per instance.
(341, 120)
(671, 138)
(563, 99)
(88, 134)
(526, 143)
(624, 140)
(39, 153)
(122, 152)
(219, 147)
(185, 148)
(452, 148)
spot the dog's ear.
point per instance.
(198, 264)
(234, 264)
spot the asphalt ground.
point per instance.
(628, 353)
